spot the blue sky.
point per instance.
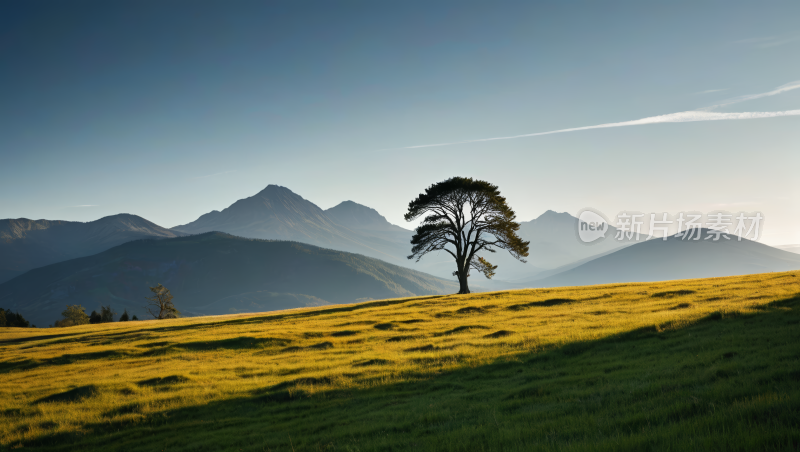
(171, 109)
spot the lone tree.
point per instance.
(73, 315)
(160, 304)
(465, 217)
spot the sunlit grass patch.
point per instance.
(514, 370)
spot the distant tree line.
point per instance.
(160, 306)
(76, 315)
(10, 319)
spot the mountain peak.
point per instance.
(552, 214)
(353, 215)
(272, 190)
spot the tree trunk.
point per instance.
(462, 282)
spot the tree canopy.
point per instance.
(160, 305)
(10, 319)
(464, 217)
(73, 315)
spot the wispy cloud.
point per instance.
(215, 174)
(735, 100)
(708, 91)
(685, 116)
(768, 41)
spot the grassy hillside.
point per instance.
(709, 364)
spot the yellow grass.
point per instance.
(363, 346)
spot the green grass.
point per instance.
(709, 364)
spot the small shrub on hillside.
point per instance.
(73, 315)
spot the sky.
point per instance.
(169, 110)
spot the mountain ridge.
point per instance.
(26, 244)
(673, 259)
(203, 269)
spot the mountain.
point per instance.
(554, 241)
(661, 260)
(27, 244)
(277, 213)
(212, 273)
(790, 248)
(358, 217)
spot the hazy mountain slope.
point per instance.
(202, 270)
(554, 241)
(790, 248)
(554, 247)
(661, 260)
(277, 213)
(27, 244)
(358, 217)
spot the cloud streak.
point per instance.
(712, 91)
(779, 90)
(686, 116)
(767, 42)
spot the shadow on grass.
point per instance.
(73, 395)
(299, 315)
(36, 338)
(164, 381)
(235, 343)
(542, 304)
(27, 364)
(154, 349)
(725, 382)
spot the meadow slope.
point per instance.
(679, 365)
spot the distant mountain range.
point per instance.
(212, 273)
(224, 271)
(27, 244)
(278, 213)
(674, 258)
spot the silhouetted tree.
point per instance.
(94, 318)
(124, 316)
(73, 315)
(106, 314)
(464, 217)
(134, 318)
(12, 320)
(160, 305)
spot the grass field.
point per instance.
(710, 364)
